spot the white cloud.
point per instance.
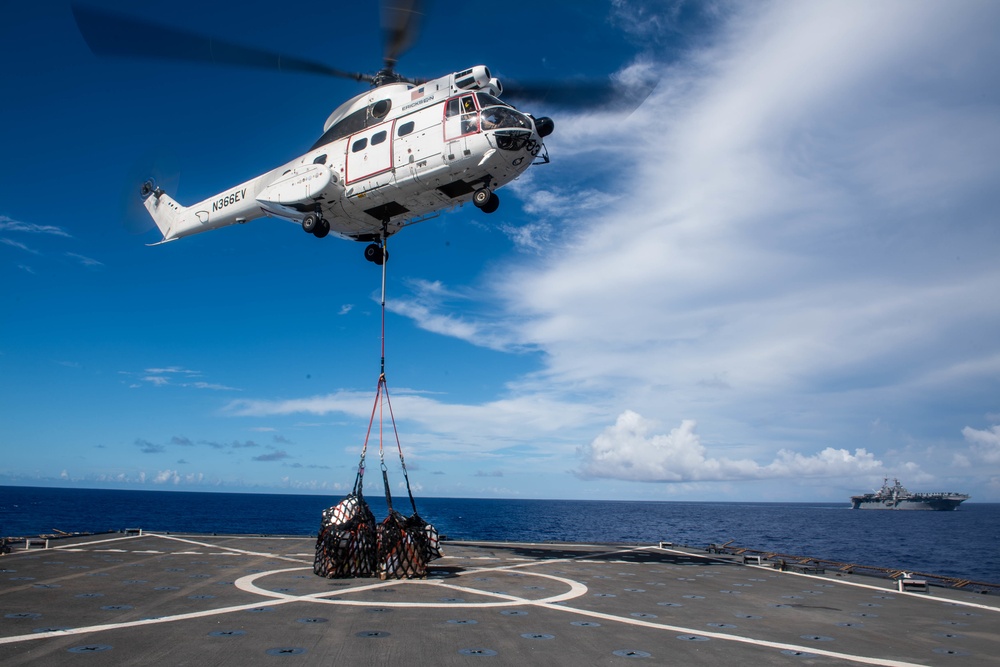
(17, 244)
(86, 261)
(167, 477)
(176, 376)
(8, 224)
(439, 428)
(426, 307)
(985, 444)
(628, 451)
(804, 232)
(532, 237)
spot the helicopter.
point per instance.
(398, 154)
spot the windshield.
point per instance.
(494, 118)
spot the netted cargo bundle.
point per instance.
(347, 545)
(405, 546)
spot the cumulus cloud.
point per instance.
(167, 477)
(985, 444)
(629, 451)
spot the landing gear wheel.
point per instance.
(481, 197)
(309, 224)
(492, 205)
(374, 253)
(322, 229)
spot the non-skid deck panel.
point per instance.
(231, 600)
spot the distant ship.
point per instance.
(896, 497)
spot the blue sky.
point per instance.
(775, 280)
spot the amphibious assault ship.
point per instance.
(896, 497)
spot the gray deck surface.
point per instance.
(239, 600)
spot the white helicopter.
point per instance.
(391, 157)
(387, 158)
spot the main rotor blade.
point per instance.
(110, 34)
(584, 94)
(401, 25)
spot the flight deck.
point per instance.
(179, 599)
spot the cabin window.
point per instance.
(378, 138)
(359, 145)
(320, 159)
(405, 129)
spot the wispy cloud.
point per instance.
(147, 447)
(17, 244)
(8, 224)
(430, 306)
(176, 376)
(86, 261)
(276, 455)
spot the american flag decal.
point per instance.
(417, 93)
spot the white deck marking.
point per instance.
(219, 546)
(576, 589)
(856, 584)
(76, 545)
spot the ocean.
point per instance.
(964, 543)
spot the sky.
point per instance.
(776, 280)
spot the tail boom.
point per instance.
(234, 206)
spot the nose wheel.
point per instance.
(485, 200)
(315, 225)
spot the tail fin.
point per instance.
(166, 212)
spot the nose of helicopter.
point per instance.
(544, 126)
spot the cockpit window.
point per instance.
(487, 100)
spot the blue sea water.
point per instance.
(964, 543)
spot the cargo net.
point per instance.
(347, 545)
(350, 544)
(405, 546)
